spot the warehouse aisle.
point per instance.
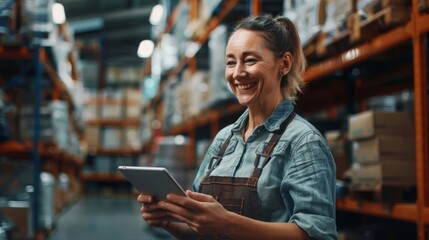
(107, 218)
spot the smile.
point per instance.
(245, 86)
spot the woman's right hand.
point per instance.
(151, 212)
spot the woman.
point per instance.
(269, 175)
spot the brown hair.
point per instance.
(281, 36)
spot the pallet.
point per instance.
(378, 5)
(381, 21)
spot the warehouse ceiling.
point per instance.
(120, 25)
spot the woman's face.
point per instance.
(252, 71)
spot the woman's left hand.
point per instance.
(200, 211)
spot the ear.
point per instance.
(286, 63)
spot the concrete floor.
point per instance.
(107, 218)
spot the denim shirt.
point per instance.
(298, 183)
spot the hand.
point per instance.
(201, 212)
(151, 211)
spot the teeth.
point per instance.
(245, 86)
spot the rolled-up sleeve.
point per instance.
(309, 183)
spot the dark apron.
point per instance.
(239, 194)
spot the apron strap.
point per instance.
(219, 155)
(269, 149)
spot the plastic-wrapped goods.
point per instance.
(172, 152)
(361, 4)
(112, 138)
(207, 7)
(62, 50)
(111, 111)
(337, 12)
(180, 31)
(7, 16)
(37, 21)
(176, 102)
(197, 88)
(123, 75)
(54, 123)
(169, 52)
(133, 95)
(219, 89)
(63, 182)
(132, 138)
(308, 15)
(47, 200)
(89, 73)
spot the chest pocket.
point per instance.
(281, 150)
(218, 144)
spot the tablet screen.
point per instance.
(156, 181)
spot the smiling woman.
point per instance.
(269, 175)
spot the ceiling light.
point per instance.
(58, 13)
(156, 14)
(145, 49)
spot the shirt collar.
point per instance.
(273, 122)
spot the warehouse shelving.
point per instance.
(412, 34)
(400, 211)
(46, 156)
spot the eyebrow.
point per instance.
(247, 53)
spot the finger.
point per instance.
(200, 197)
(160, 215)
(193, 202)
(144, 198)
(176, 209)
(150, 207)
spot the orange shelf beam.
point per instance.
(103, 177)
(101, 101)
(15, 53)
(426, 215)
(399, 211)
(115, 122)
(359, 53)
(423, 24)
(216, 20)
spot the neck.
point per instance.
(258, 115)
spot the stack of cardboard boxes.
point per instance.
(383, 151)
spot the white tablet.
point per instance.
(156, 181)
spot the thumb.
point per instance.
(201, 197)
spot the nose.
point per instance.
(239, 71)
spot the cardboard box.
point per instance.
(112, 111)
(336, 140)
(384, 149)
(92, 136)
(370, 123)
(132, 111)
(19, 212)
(385, 174)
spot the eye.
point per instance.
(250, 61)
(230, 63)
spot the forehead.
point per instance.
(246, 40)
